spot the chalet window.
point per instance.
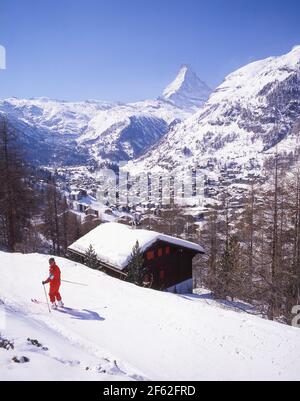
(148, 280)
(168, 250)
(160, 252)
(150, 255)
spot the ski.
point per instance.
(37, 302)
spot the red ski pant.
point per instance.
(54, 293)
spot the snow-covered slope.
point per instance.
(106, 132)
(117, 331)
(255, 109)
(65, 118)
(48, 130)
(88, 130)
(187, 91)
(127, 131)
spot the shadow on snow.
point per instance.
(239, 305)
(82, 315)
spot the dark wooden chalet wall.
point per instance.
(169, 264)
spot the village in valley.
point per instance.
(81, 186)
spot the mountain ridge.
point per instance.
(91, 130)
(252, 111)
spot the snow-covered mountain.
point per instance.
(127, 131)
(113, 330)
(187, 91)
(48, 130)
(74, 132)
(65, 118)
(256, 109)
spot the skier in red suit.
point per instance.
(55, 281)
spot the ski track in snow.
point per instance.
(70, 350)
(100, 363)
(122, 332)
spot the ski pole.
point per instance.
(71, 282)
(47, 298)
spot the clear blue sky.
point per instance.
(130, 49)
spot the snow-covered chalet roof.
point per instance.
(113, 243)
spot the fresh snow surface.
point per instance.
(132, 333)
(114, 242)
(247, 82)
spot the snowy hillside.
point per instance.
(48, 129)
(255, 109)
(127, 131)
(77, 131)
(116, 331)
(65, 118)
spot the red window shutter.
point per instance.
(162, 275)
(150, 255)
(160, 252)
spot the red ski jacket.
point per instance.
(54, 276)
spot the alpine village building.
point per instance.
(168, 261)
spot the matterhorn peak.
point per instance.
(187, 91)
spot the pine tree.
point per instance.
(16, 197)
(253, 254)
(205, 270)
(91, 258)
(51, 216)
(275, 245)
(136, 269)
(57, 218)
(230, 268)
(65, 220)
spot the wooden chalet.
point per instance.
(168, 260)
